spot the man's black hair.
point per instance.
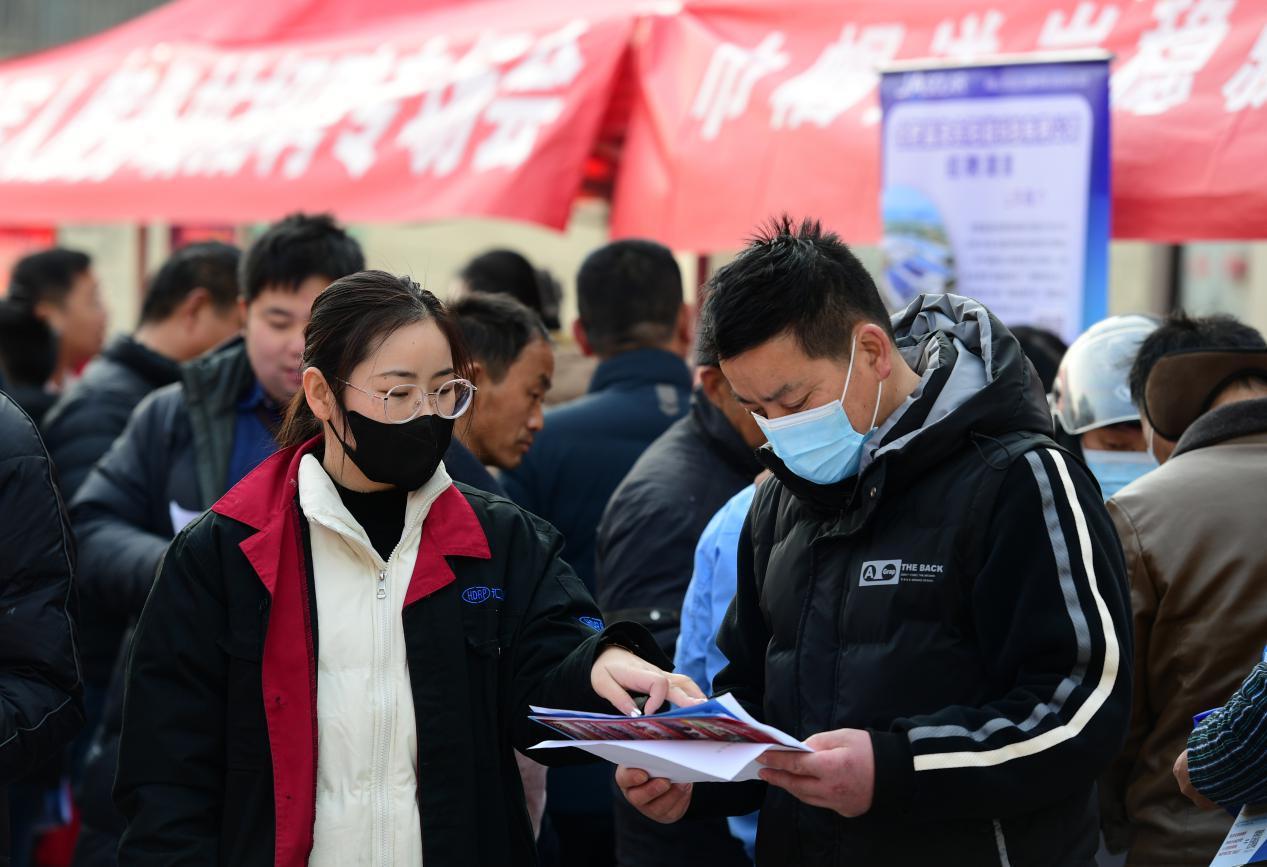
(1179, 332)
(503, 272)
(791, 279)
(28, 347)
(46, 276)
(629, 296)
(209, 265)
(296, 248)
(1044, 350)
(496, 328)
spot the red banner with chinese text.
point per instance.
(748, 109)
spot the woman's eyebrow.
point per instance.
(448, 371)
(400, 374)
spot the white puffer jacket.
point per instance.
(367, 749)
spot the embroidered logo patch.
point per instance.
(479, 594)
(592, 622)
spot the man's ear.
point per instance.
(716, 387)
(52, 314)
(581, 338)
(685, 328)
(479, 375)
(875, 348)
(193, 306)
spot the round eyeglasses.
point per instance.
(404, 403)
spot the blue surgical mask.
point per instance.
(820, 445)
(1116, 470)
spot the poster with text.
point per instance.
(996, 186)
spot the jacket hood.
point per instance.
(975, 385)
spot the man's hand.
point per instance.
(838, 775)
(616, 672)
(656, 798)
(1185, 784)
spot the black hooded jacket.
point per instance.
(78, 430)
(962, 599)
(41, 699)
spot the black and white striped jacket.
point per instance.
(963, 600)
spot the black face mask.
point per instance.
(403, 455)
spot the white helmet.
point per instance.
(1092, 388)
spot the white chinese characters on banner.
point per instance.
(732, 73)
(1088, 25)
(1159, 76)
(844, 75)
(1247, 88)
(191, 116)
(973, 36)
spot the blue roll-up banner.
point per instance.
(996, 186)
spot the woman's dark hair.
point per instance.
(350, 320)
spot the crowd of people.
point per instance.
(285, 567)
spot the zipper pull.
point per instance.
(382, 584)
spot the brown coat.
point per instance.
(1194, 533)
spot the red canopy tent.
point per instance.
(707, 115)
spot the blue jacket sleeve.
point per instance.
(697, 628)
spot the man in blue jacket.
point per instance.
(633, 318)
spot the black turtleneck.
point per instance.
(381, 513)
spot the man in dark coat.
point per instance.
(41, 701)
(646, 554)
(190, 307)
(930, 592)
(633, 318)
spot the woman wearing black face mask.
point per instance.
(336, 661)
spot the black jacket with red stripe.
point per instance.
(963, 600)
(217, 759)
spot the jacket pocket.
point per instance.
(246, 731)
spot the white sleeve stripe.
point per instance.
(1097, 698)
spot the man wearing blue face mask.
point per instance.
(1091, 400)
(930, 592)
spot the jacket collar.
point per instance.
(264, 498)
(320, 501)
(1245, 418)
(641, 367)
(220, 379)
(154, 368)
(713, 426)
(213, 384)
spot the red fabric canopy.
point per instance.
(224, 111)
(710, 116)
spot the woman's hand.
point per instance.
(617, 673)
